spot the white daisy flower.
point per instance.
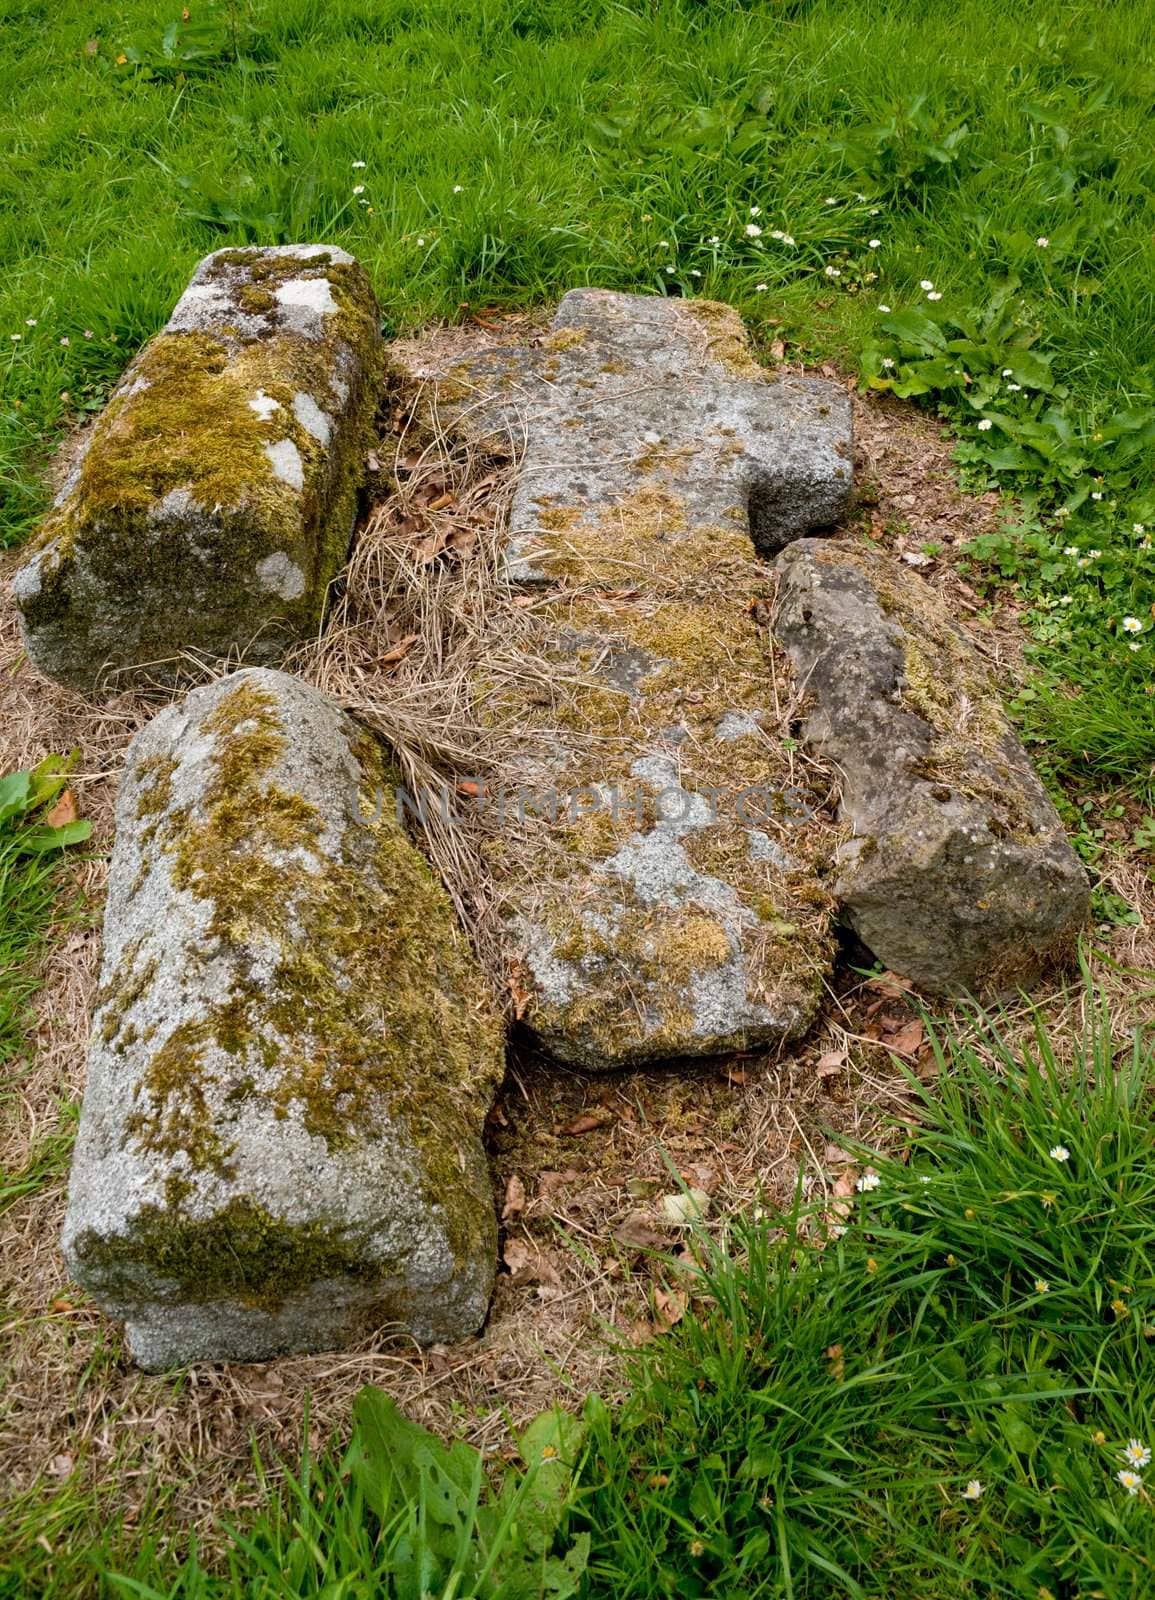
(459, 188)
(1014, 388)
(1134, 647)
(755, 211)
(888, 362)
(873, 244)
(753, 231)
(760, 288)
(358, 165)
(868, 1181)
(985, 424)
(1136, 1453)
(934, 294)
(1059, 1152)
(832, 272)
(1131, 1481)
(1041, 1286)
(1132, 625)
(973, 1490)
(358, 188)
(1042, 241)
(885, 310)
(925, 283)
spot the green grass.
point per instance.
(987, 1316)
(29, 858)
(983, 1315)
(515, 148)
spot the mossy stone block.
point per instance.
(293, 1050)
(956, 872)
(213, 501)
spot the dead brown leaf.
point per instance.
(669, 1308)
(399, 651)
(830, 1064)
(638, 1232)
(548, 1183)
(889, 984)
(586, 1122)
(514, 1199)
(64, 811)
(528, 1264)
(432, 545)
(908, 1040)
(842, 1198)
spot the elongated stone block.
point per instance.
(957, 872)
(213, 501)
(293, 1050)
(672, 905)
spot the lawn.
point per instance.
(811, 162)
(956, 203)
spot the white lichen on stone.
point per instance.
(309, 414)
(305, 303)
(286, 462)
(264, 405)
(281, 576)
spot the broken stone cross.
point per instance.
(669, 906)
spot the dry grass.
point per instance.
(575, 1202)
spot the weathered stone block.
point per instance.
(213, 502)
(957, 874)
(673, 907)
(628, 388)
(293, 1050)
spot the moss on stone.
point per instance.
(240, 1253)
(645, 539)
(564, 339)
(114, 999)
(726, 337)
(370, 985)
